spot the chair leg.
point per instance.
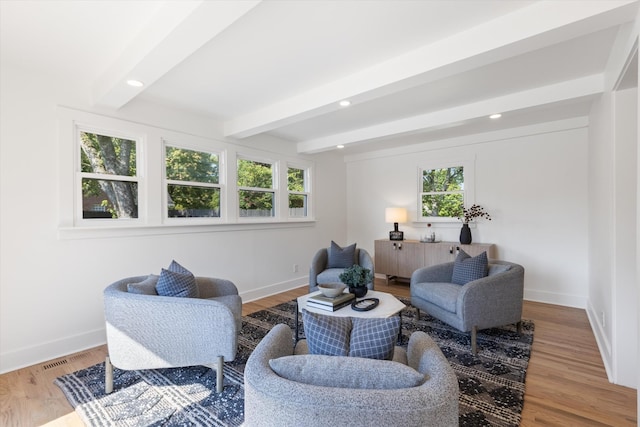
(219, 374)
(417, 313)
(108, 376)
(474, 336)
(519, 326)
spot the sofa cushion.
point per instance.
(146, 287)
(173, 284)
(374, 338)
(327, 335)
(346, 372)
(341, 257)
(444, 295)
(497, 269)
(467, 269)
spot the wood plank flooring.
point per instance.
(566, 382)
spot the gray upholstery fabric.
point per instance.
(319, 272)
(146, 287)
(153, 331)
(345, 372)
(271, 400)
(491, 301)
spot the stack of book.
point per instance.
(321, 302)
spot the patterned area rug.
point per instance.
(491, 383)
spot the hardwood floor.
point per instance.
(566, 382)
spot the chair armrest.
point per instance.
(209, 287)
(493, 300)
(318, 265)
(435, 273)
(365, 261)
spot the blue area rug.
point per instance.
(491, 383)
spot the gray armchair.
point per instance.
(273, 400)
(320, 273)
(494, 300)
(153, 331)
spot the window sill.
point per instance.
(110, 231)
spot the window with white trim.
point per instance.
(442, 192)
(298, 190)
(107, 176)
(256, 189)
(192, 182)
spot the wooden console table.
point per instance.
(400, 258)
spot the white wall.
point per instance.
(533, 182)
(613, 224)
(51, 288)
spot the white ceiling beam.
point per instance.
(545, 95)
(176, 31)
(534, 27)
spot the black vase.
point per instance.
(358, 291)
(465, 234)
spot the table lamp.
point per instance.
(395, 215)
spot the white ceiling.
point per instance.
(413, 70)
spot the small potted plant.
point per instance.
(356, 278)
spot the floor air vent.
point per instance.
(54, 364)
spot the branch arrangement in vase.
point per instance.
(475, 211)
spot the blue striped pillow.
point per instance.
(374, 338)
(467, 269)
(177, 281)
(327, 335)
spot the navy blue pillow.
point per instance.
(467, 269)
(341, 257)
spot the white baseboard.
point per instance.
(566, 300)
(273, 289)
(28, 356)
(604, 346)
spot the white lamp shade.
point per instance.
(395, 215)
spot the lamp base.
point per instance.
(396, 235)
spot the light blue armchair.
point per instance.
(321, 273)
(492, 301)
(153, 331)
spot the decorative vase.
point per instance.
(358, 291)
(465, 234)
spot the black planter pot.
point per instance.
(465, 234)
(359, 291)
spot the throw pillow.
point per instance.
(467, 269)
(146, 287)
(327, 335)
(172, 284)
(341, 257)
(177, 268)
(374, 338)
(346, 372)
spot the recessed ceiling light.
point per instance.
(135, 83)
(340, 146)
(495, 116)
(345, 103)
